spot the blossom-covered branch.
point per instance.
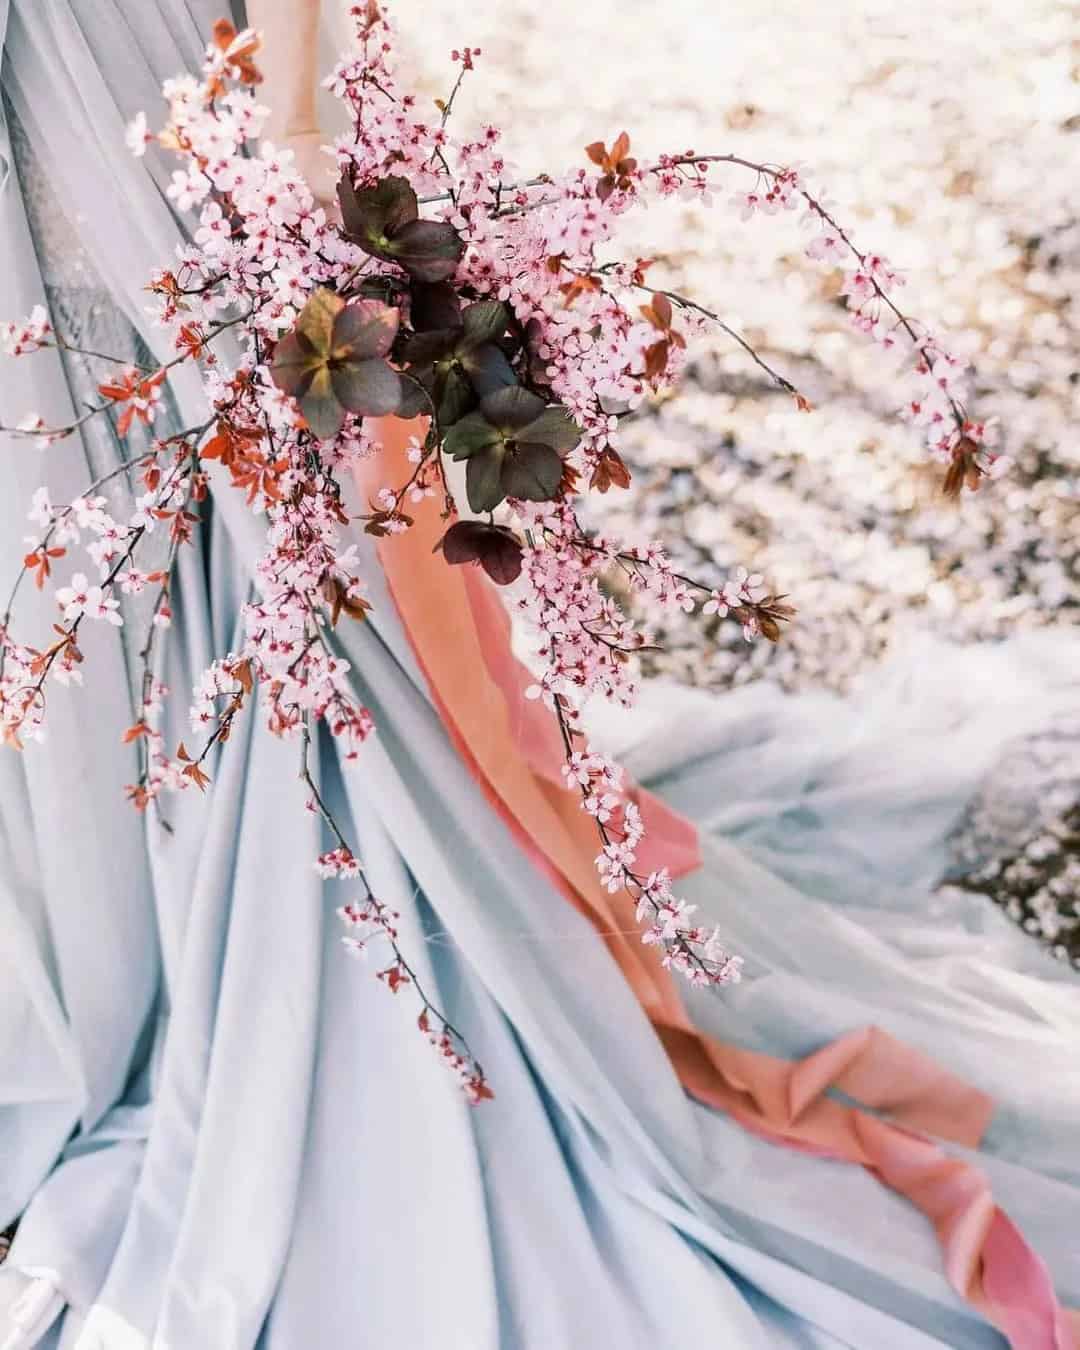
(491, 307)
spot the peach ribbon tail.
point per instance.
(459, 632)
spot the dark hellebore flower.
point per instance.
(454, 353)
(514, 446)
(333, 361)
(495, 548)
(384, 221)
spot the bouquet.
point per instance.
(495, 314)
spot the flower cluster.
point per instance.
(688, 948)
(29, 335)
(453, 292)
(939, 378)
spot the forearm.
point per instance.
(288, 60)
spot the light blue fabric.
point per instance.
(223, 1135)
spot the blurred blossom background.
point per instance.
(947, 135)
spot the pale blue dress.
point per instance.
(221, 1134)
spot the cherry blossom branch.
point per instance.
(160, 619)
(46, 539)
(344, 319)
(466, 64)
(690, 949)
(745, 597)
(684, 302)
(66, 642)
(65, 346)
(102, 605)
(60, 433)
(500, 188)
(779, 176)
(374, 919)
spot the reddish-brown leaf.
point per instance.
(656, 359)
(395, 977)
(620, 149)
(662, 309)
(609, 472)
(197, 776)
(241, 673)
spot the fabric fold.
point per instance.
(460, 636)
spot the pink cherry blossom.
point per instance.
(81, 598)
(592, 336)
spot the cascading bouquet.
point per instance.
(453, 292)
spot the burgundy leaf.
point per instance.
(294, 364)
(434, 306)
(316, 321)
(370, 388)
(429, 250)
(501, 559)
(374, 214)
(421, 349)
(496, 548)
(415, 397)
(364, 329)
(323, 413)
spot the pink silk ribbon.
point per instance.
(460, 634)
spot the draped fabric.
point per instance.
(221, 1133)
(460, 634)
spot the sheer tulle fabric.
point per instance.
(222, 1133)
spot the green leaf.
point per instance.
(415, 398)
(316, 321)
(532, 472)
(429, 250)
(375, 213)
(454, 395)
(553, 427)
(370, 388)
(323, 413)
(488, 368)
(471, 434)
(512, 408)
(364, 329)
(483, 322)
(294, 365)
(483, 478)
